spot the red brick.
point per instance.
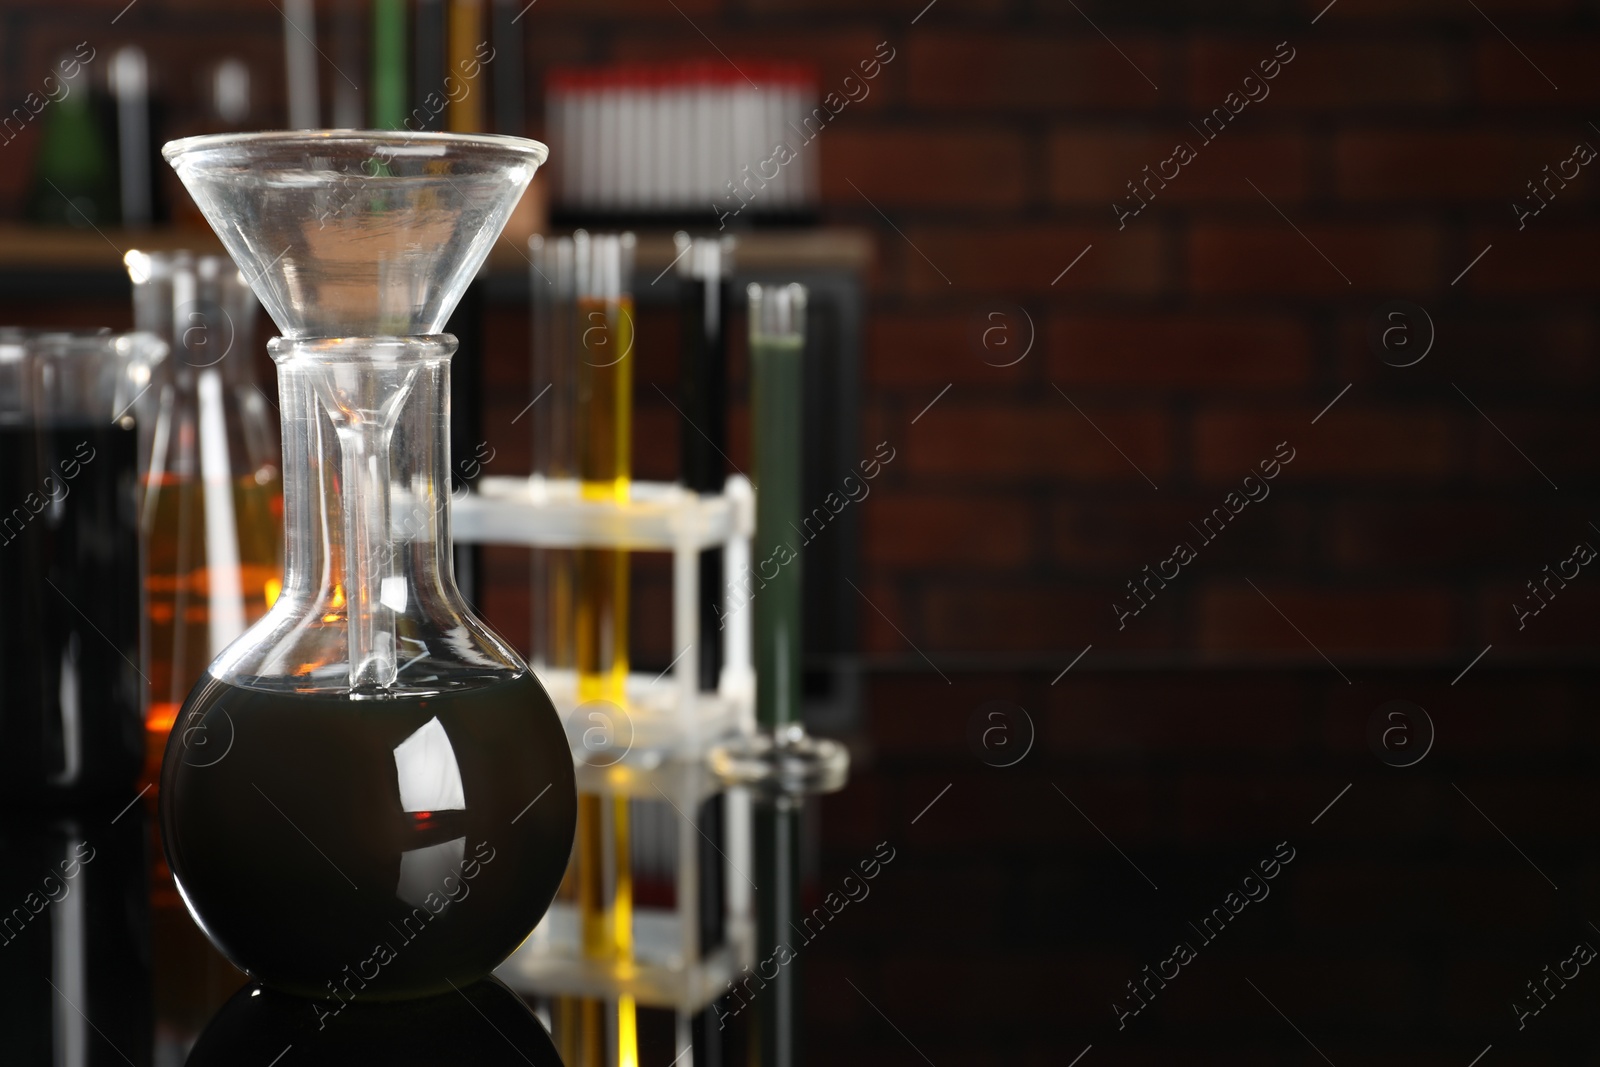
(1006, 443)
(1015, 260)
(1070, 992)
(1037, 617)
(633, 9)
(1351, 442)
(1551, 257)
(1535, 446)
(1380, 621)
(1481, 164)
(44, 7)
(1510, 617)
(1179, 351)
(971, 168)
(905, 9)
(1266, 259)
(1258, 809)
(1326, 74)
(1378, 990)
(1128, 534)
(933, 349)
(1505, 77)
(1385, 804)
(885, 618)
(1552, 713)
(1523, 806)
(1468, 720)
(1391, 11)
(912, 905)
(950, 530)
(1094, 166)
(1456, 534)
(925, 715)
(1362, 898)
(989, 808)
(1179, 715)
(1514, 346)
(965, 71)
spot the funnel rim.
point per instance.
(536, 151)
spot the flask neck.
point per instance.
(366, 432)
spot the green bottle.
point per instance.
(74, 183)
(388, 64)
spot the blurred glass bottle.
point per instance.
(71, 702)
(74, 180)
(212, 507)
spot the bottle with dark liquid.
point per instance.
(70, 702)
(368, 795)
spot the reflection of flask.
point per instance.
(75, 940)
(212, 508)
(446, 1029)
(368, 795)
(74, 182)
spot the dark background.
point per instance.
(1176, 353)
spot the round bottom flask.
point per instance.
(335, 847)
(368, 796)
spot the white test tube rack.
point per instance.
(671, 727)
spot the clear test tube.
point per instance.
(553, 279)
(705, 271)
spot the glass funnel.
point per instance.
(368, 795)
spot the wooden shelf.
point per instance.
(29, 249)
(34, 248)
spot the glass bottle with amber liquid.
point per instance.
(211, 507)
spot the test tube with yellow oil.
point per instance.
(583, 617)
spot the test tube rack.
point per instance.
(671, 726)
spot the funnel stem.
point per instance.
(368, 560)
